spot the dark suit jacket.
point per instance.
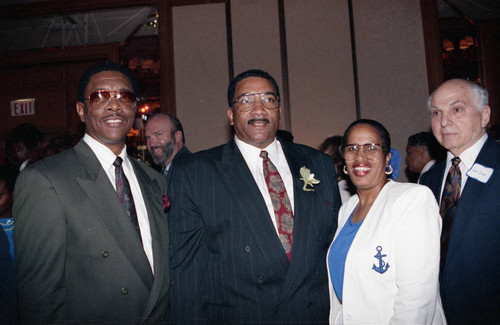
(228, 265)
(470, 279)
(78, 257)
(179, 156)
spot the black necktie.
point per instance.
(125, 194)
(449, 201)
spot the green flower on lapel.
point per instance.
(308, 178)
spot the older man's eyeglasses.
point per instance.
(372, 151)
(246, 102)
(101, 97)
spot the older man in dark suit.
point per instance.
(91, 233)
(251, 221)
(467, 185)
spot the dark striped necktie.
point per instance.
(449, 201)
(125, 194)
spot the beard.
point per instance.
(165, 155)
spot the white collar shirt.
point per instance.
(467, 159)
(106, 158)
(254, 162)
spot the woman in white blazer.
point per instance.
(383, 263)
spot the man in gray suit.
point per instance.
(82, 255)
(248, 245)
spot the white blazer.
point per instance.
(404, 225)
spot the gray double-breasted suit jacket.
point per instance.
(228, 264)
(78, 257)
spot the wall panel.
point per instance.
(320, 69)
(201, 73)
(391, 66)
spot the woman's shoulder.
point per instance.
(397, 189)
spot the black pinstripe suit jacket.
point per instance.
(228, 265)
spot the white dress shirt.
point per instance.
(467, 159)
(254, 162)
(106, 157)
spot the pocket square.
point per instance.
(166, 203)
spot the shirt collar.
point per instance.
(468, 157)
(105, 156)
(252, 153)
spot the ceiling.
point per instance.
(77, 29)
(118, 25)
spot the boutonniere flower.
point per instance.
(308, 178)
(166, 203)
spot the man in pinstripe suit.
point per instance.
(228, 263)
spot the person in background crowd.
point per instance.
(91, 237)
(251, 221)
(8, 312)
(7, 179)
(422, 152)
(384, 260)
(60, 143)
(22, 144)
(165, 140)
(331, 147)
(467, 185)
(7, 279)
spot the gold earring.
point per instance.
(345, 170)
(388, 172)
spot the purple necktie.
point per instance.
(281, 203)
(449, 201)
(125, 194)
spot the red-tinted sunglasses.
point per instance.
(103, 96)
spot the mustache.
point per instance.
(114, 115)
(258, 120)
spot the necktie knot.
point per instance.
(263, 154)
(118, 162)
(455, 161)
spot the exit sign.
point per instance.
(22, 107)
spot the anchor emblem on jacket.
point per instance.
(382, 266)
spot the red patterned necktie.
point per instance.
(125, 194)
(281, 203)
(449, 201)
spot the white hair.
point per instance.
(480, 94)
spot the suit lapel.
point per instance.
(151, 192)
(471, 197)
(241, 183)
(95, 183)
(304, 202)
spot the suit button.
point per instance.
(348, 317)
(309, 305)
(260, 278)
(247, 249)
(104, 254)
(124, 291)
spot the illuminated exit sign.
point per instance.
(22, 107)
